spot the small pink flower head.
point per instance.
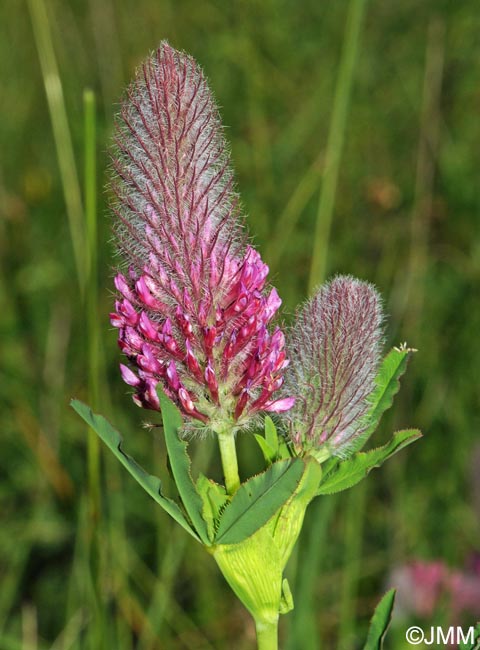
(334, 347)
(193, 308)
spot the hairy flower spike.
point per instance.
(193, 308)
(335, 347)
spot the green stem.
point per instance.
(267, 634)
(228, 454)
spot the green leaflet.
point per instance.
(269, 443)
(257, 500)
(180, 466)
(380, 622)
(151, 484)
(268, 452)
(271, 435)
(387, 386)
(354, 469)
(272, 445)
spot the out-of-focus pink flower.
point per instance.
(193, 308)
(426, 588)
(334, 346)
(464, 594)
(420, 587)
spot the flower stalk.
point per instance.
(228, 455)
(267, 634)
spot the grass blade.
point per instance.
(61, 131)
(91, 296)
(336, 138)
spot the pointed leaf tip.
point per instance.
(380, 621)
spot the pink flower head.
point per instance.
(334, 346)
(193, 307)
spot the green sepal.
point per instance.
(351, 471)
(214, 498)
(180, 466)
(151, 484)
(257, 500)
(387, 385)
(380, 621)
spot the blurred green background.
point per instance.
(387, 95)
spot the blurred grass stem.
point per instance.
(61, 131)
(429, 139)
(91, 296)
(352, 562)
(281, 235)
(335, 142)
(90, 264)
